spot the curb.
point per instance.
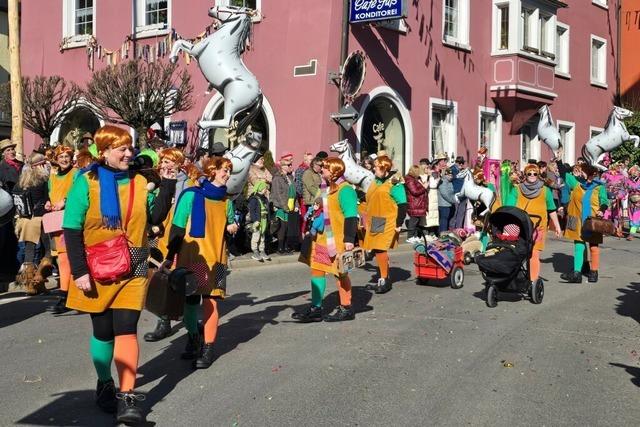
(245, 261)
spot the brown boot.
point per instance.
(25, 274)
(45, 269)
(35, 287)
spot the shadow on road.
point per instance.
(17, 311)
(629, 301)
(634, 371)
(562, 262)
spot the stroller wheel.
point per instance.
(492, 296)
(468, 258)
(457, 278)
(537, 291)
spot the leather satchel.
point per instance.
(599, 225)
(110, 260)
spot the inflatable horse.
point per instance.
(242, 156)
(353, 173)
(547, 131)
(6, 207)
(475, 192)
(614, 135)
(219, 59)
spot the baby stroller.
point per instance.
(505, 263)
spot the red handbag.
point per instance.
(110, 260)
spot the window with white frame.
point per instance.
(443, 126)
(152, 15)
(562, 49)
(598, 61)
(547, 35)
(528, 19)
(78, 21)
(489, 134)
(455, 22)
(528, 136)
(568, 140)
(503, 26)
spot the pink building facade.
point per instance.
(452, 76)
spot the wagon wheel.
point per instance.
(492, 296)
(537, 291)
(457, 278)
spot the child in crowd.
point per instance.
(258, 219)
(314, 218)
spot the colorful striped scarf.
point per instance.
(331, 241)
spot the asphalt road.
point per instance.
(420, 355)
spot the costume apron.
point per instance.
(59, 186)
(337, 225)
(382, 213)
(574, 216)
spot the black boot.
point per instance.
(106, 396)
(128, 412)
(592, 277)
(384, 286)
(192, 347)
(573, 277)
(163, 330)
(60, 307)
(311, 314)
(206, 358)
(342, 313)
(586, 267)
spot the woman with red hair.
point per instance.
(336, 234)
(386, 210)
(60, 181)
(207, 214)
(106, 203)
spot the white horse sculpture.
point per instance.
(6, 207)
(353, 172)
(548, 132)
(219, 59)
(475, 192)
(615, 134)
(242, 156)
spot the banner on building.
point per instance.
(376, 10)
(178, 133)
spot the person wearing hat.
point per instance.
(104, 202)
(385, 212)
(259, 220)
(439, 162)
(534, 197)
(218, 149)
(60, 181)
(10, 167)
(259, 172)
(85, 141)
(283, 197)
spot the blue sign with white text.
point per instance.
(375, 10)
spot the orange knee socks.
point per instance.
(534, 265)
(210, 308)
(64, 269)
(344, 290)
(125, 355)
(595, 257)
(383, 264)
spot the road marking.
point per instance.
(8, 300)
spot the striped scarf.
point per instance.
(331, 241)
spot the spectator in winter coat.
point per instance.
(416, 202)
(258, 172)
(258, 220)
(311, 180)
(10, 168)
(283, 197)
(446, 200)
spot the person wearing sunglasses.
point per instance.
(534, 197)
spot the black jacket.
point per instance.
(9, 176)
(39, 197)
(254, 207)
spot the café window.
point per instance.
(383, 130)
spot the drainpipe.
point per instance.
(619, 46)
(344, 48)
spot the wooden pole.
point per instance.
(16, 79)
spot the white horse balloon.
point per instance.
(615, 134)
(353, 172)
(6, 207)
(548, 132)
(242, 156)
(219, 59)
(475, 192)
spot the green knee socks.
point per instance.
(578, 255)
(318, 285)
(102, 355)
(484, 239)
(190, 318)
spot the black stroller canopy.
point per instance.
(509, 215)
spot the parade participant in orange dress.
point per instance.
(386, 210)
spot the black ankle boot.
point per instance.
(592, 277)
(129, 412)
(573, 277)
(384, 286)
(192, 347)
(60, 307)
(106, 396)
(311, 314)
(342, 313)
(163, 330)
(206, 358)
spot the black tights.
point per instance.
(116, 321)
(282, 235)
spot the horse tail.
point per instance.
(249, 118)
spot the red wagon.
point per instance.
(428, 269)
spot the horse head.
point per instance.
(622, 113)
(341, 147)
(227, 13)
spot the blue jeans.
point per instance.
(444, 216)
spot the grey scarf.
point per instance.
(531, 190)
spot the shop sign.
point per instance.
(376, 10)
